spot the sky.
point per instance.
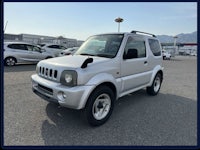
(79, 20)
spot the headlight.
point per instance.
(69, 78)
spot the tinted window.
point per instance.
(54, 46)
(138, 44)
(29, 47)
(18, 46)
(33, 48)
(62, 47)
(155, 47)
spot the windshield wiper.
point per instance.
(87, 54)
(105, 55)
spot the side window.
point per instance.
(36, 49)
(54, 46)
(17, 46)
(155, 47)
(29, 47)
(137, 45)
(12, 46)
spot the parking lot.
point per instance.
(170, 118)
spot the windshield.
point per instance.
(106, 45)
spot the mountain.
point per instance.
(182, 38)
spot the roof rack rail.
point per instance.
(143, 33)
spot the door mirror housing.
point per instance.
(131, 53)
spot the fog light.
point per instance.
(64, 95)
(61, 96)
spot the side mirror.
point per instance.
(131, 53)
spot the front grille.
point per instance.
(48, 73)
(45, 89)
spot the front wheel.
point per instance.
(155, 87)
(99, 106)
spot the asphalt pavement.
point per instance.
(168, 119)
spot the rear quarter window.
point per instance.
(155, 47)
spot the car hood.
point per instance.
(71, 61)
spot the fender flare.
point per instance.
(100, 79)
(155, 71)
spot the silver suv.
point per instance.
(18, 52)
(105, 68)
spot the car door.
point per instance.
(19, 51)
(34, 53)
(135, 71)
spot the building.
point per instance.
(38, 39)
(12, 37)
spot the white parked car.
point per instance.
(54, 49)
(193, 54)
(19, 52)
(166, 55)
(68, 51)
(105, 68)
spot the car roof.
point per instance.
(19, 43)
(51, 44)
(148, 35)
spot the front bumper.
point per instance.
(71, 97)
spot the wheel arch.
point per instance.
(157, 69)
(108, 84)
(10, 57)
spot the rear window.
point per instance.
(155, 47)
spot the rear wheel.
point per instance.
(155, 87)
(10, 61)
(99, 106)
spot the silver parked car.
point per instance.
(54, 49)
(68, 51)
(19, 52)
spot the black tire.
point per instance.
(94, 105)
(155, 87)
(10, 61)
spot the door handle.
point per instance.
(145, 62)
